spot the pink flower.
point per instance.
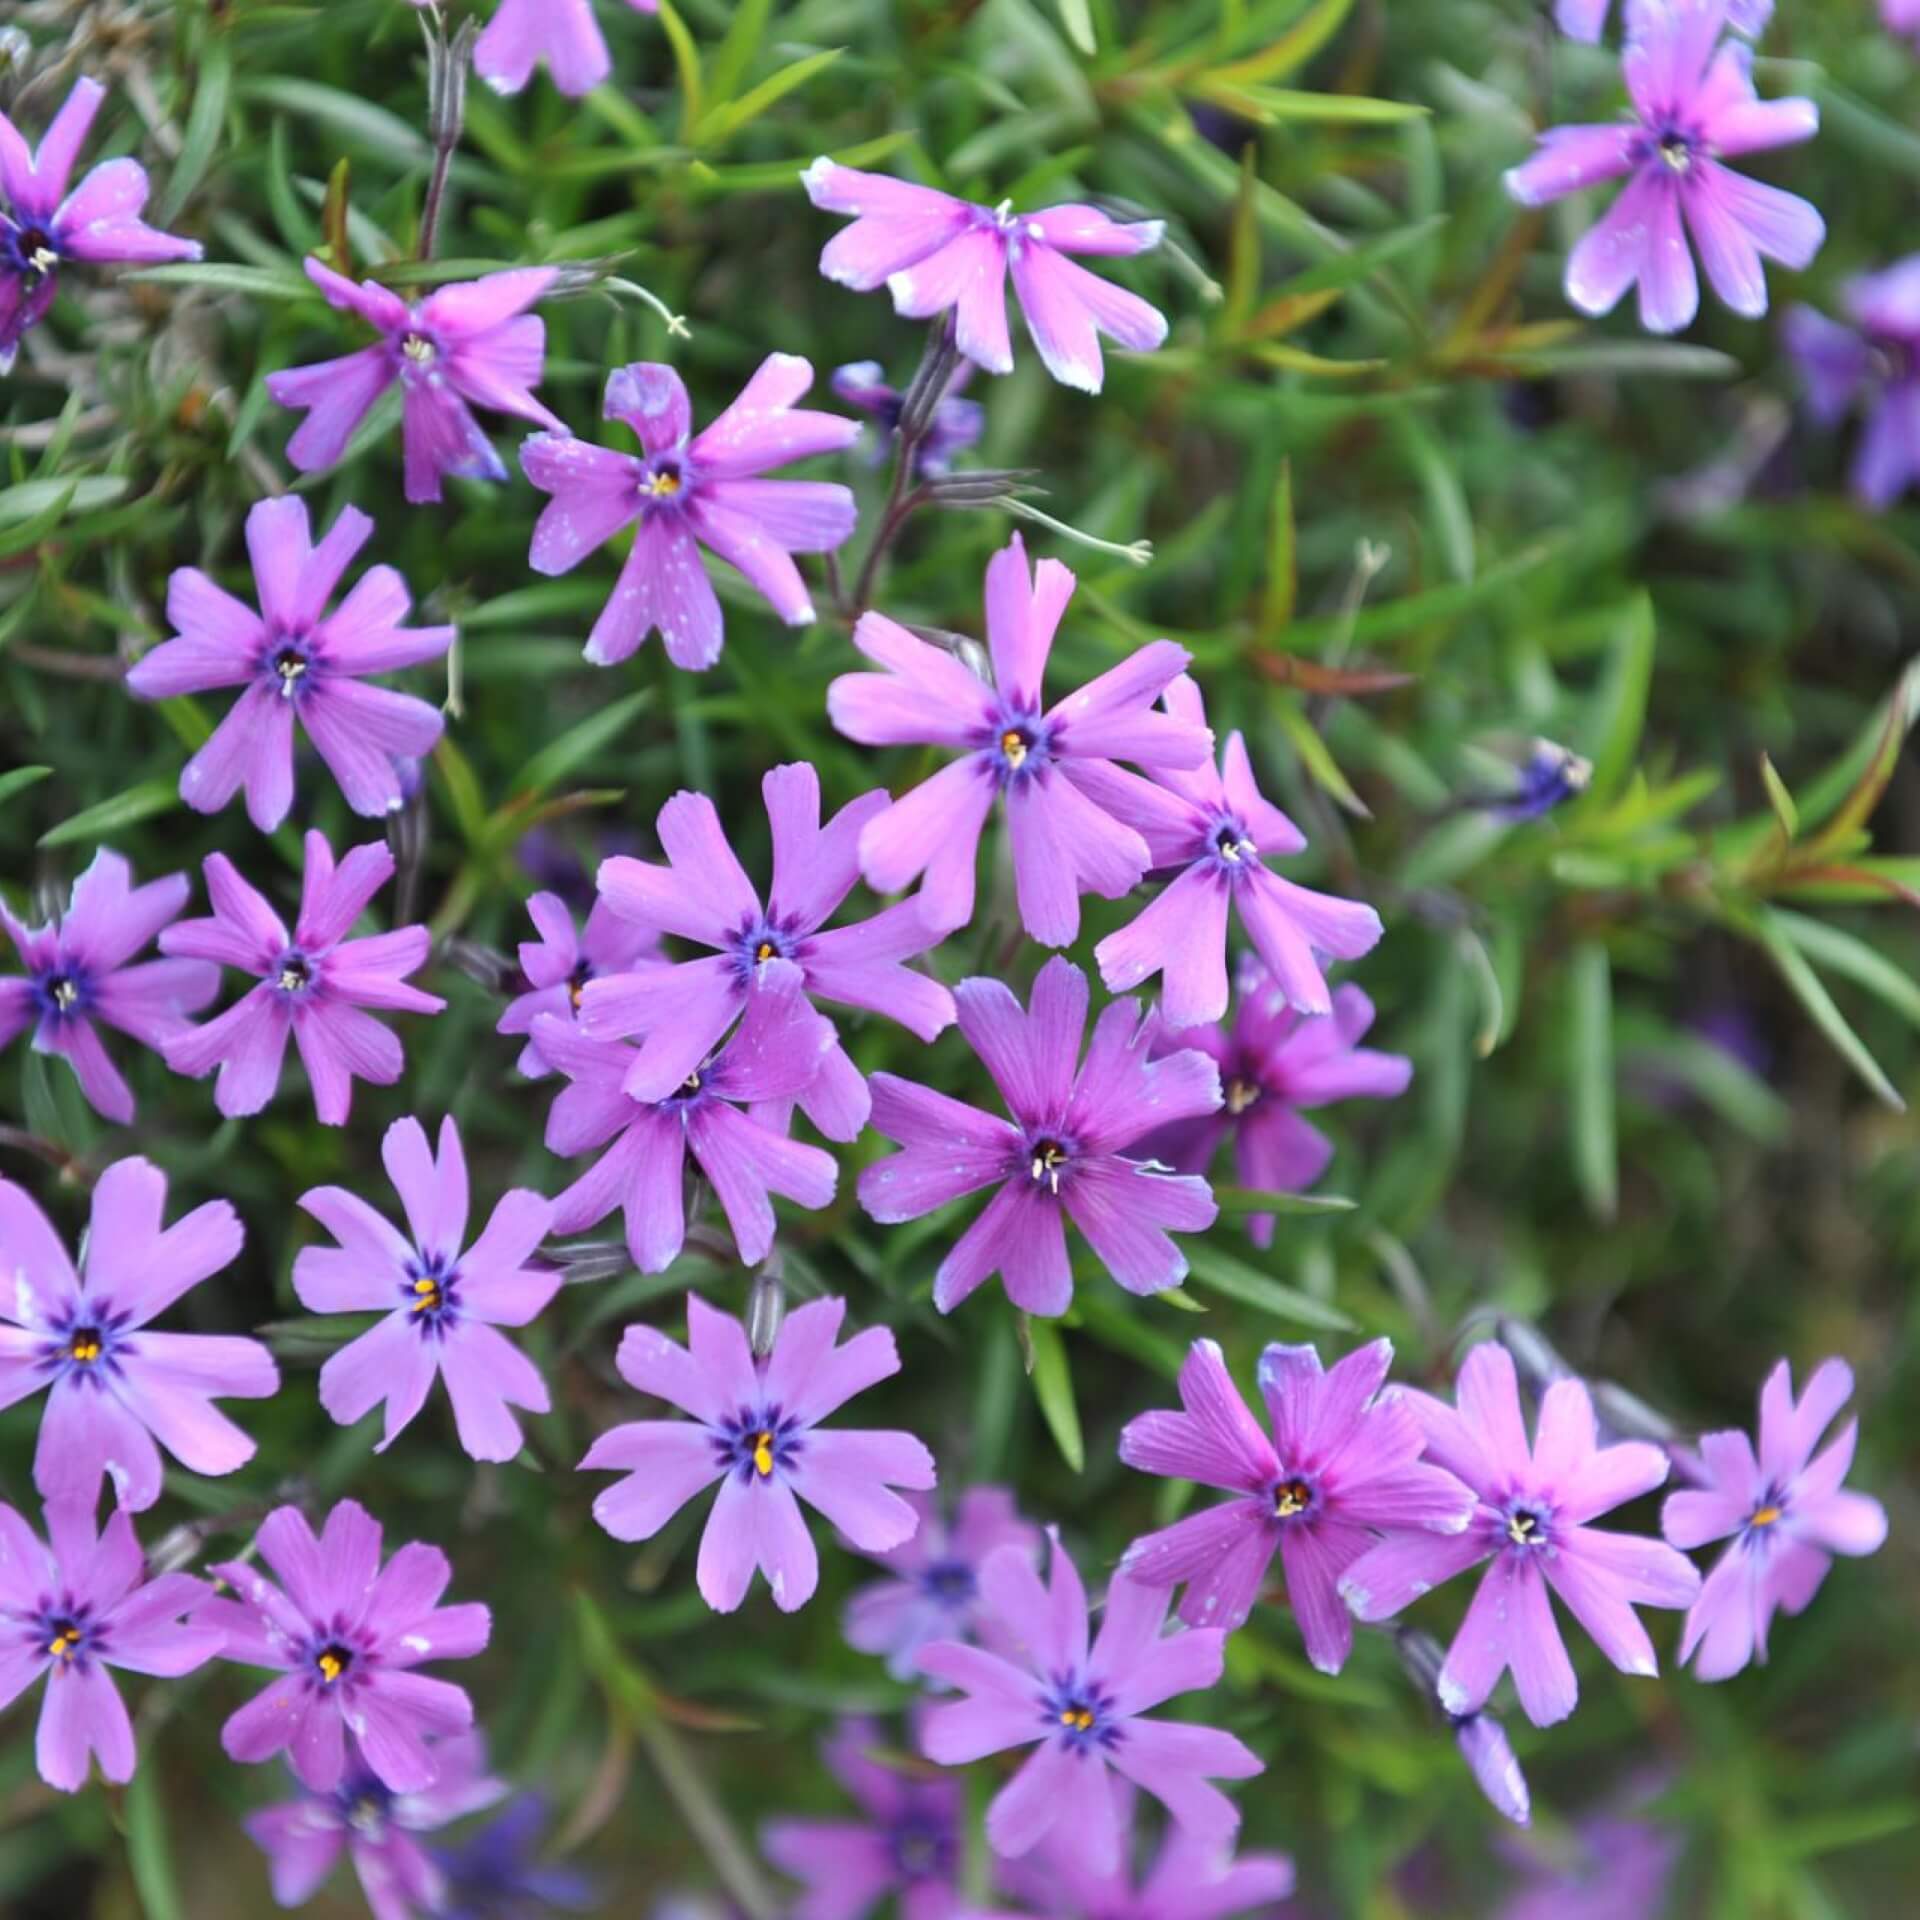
(1583, 19)
(1785, 1511)
(444, 1306)
(563, 33)
(1694, 107)
(116, 1387)
(690, 491)
(469, 345)
(315, 984)
(1901, 16)
(560, 963)
(933, 252)
(755, 1429)
(296, 662)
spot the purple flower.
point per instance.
(1901, 16)
(364, 1818)
(464, 346)
(78, 979)
(1481, 1738)
(42, 225)
(1694, 106)
(1274, 1065)
(934, 1593)
(1551, 776)
(755, 1429)
(1615, 1868)
(563, 33)
(1081, 1710)
(496, 1876)
(1583, 19)
(315, 984)
(704, 896)
(347, 1635)
(1343, 1460)
(444, 1305)
(296, 662)
(1215, 826)
(908, 1846)
(775, 1053)
(1061, 1157)
(933, 252)
(560, 963)
(1532, 1524)
(1786, 1513)
(1064, 844)
(74, 1607)
(957, 424)
(690, 491)
(115, 1387)
(1877, 359)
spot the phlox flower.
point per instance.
(1612, 1866)
(704, 896)
(563, 33)
(1344, 1461)
(1694, 108)
(957, 424)
(1063, 843)
(1482, 1740)
(498, 1875)
(559, 964)
(471, 344)
(445, 1306)
(1061, 1157)
(934, 253)
(1082, 1710)
(690, 491)
(315, 984)
(78, 977)
(1901, 16)
(117, 1391)
(755, 1428)
(1531, 1523)
(1785, 1511)
(1584, 19)
(1219, 830)
(296, 662)
(43, 225)
(347, 1636)
(70, 1608)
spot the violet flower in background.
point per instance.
(1219, 830)
(934, 1593)
(774, 1053)
(1531, 1522)
(316, 984)
(933, 252)
(1061, 1157)
(117, 1390)
(365, 1819)
(498, 1875)
(1063, 844)
(1614, 1867)
(347, 1636)
(563, 33)
(43, 225)
(908, 1847)
(755, 1429)
(296, 662)
(444, 1306)
(78, 978)
(1081, 1711)
(560, 963)
(1343, 1460)
(1785, 1511)
(1694, 107)
(1902, 17)
(471, 344)
(1584, 19)
(703, 895)
(1276, 1064)
(690, 491)
(74, 1606)
(1551, 776)
(957, 424)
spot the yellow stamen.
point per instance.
(418, 349)
(331, 1667)
(763, 1454)
(1013, 748)
(661, 486)
(1522, 1528)
(764, 951)
(1080, 1719)
(1291, 1497)
(64, 1642)
(429, 1292)
(1241, 1094)
(576, 993)
(1766, 1516)
(86, 1347)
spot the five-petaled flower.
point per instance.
(1785, 1511)
(933, 252)
(297, 662)
(444, 1305)
(755, 1428)
(1694, 107)
(1532, 1522)
(560, 963)
(690, 491)
(1064, 844)
(115, 1386)
(563, 33)
(78, 978)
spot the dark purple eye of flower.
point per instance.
(1080, 1713)
(430, 1293)
(1231, 843)
(65, 1639)
(85, 1345)
(1676, 150)
(922, 1846)
(757, 1444)
(290, 664)
(1291, 1498)
(950, 1582)
(1047, 1158)
(1769, 1513)
(333, 1662)
(364, 1803)
(295, 973)
(1526, 1527)
(32, 251)
(61, 992)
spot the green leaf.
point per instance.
(1077, 17)
(723, 122)
(213, 75)
(147, 1851)
(123, 810)
(1256, 1200)
(1446, 499)
(1596, 1158)
(734, 55)
(19, 780)
(219, 276)
(1358, 263)
(31, 499)
(346, 115)
(1318, 756)
(1214, 1267)
(1053, 1388)
(686, 57)
(578, 745)
(1840, 952)
(1291, 50)
(1618, 713)
(1808, 989)
(1275, 106)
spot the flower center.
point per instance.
(1080, 1715)
(1018, 745)
(756, 943)
(1291, 1497)
(67, 1640)
(1013, 747)
(923, 1846)
(295, 973)
(85, 1345)
(663, 479)
(1241, 1094)
(1676, 150)
(333, 1661)
(62, 991)
(419, 349)
(950, 1582)
(291, 665)
(32, 250)
(1046, 1161)
(577, 985)
(1232, 843)
(756, 1445)
(1764, 1516)
(1526, 1528)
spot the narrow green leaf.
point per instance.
(578, 745)
(730, 60)
(1318, 757)
(1840, 952)
(1596, 1157)
(31, 499)
(28, 533)
(148, 1853)
(686, 57)
(1779, 799)
(723, 122)
(218, 276)
(1292, 49)
(1812, 994)
(1619, 710)
(123, 810)
(19, 780)
(1257, 1200)
(213, 75)
(1212, 1266)
(1446, 498)
(1077, 17)
(1053, 1388)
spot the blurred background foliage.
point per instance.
(1408, 512)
